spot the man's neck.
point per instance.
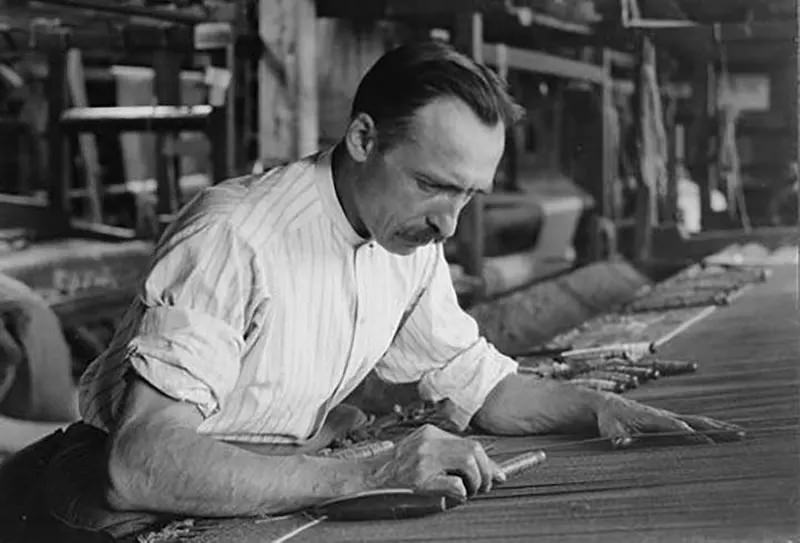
(343, 172)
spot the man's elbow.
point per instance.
(128, 487)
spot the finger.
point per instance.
(449, 486)
(715, 429)
(488, 469)
(467, 469)
(666, 423)
(498, 475)
(616, 431)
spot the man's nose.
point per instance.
(444, 221)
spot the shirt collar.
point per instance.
(323, 177)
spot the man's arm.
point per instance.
(524, 404)
(158, 462)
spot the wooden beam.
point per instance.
(544, 63)
(276, 28)
(469, 39)
(167, 66)
(136, 118)
(288, 113)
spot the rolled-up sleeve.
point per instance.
(197, 297)
(440, 346)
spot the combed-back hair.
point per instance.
(411, 76)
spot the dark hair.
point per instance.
(411, 76)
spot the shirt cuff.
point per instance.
(187, 355)
(467, 380)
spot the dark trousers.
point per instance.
(54, 490)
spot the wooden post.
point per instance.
(60, 163)
(671, 204)
(307, 115)
(76, 83)
(167, 82)
(644, 193)
(609, 158)
(469, 39)
(288, 116)
(700, 134)
(230, 159)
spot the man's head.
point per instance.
(427, 131)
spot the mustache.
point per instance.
(424, 237)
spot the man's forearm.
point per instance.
(158, 466)
(523, 404)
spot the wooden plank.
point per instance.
(169, 15)
(136, 118)
(545, 63)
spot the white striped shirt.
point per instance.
(263, 307)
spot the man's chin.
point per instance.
(402, 247)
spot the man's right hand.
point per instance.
(431, 460)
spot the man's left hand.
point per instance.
(623, 420)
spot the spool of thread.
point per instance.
(518, 464)
(642, 373)
(673, 367)
(632, 351)
(598, 384)
(363, 450)
(626, 380)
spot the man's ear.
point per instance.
(361, 137)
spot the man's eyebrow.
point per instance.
(444, 183)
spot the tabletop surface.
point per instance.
(659, 490)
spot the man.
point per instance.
(269, 299)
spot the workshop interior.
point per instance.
(640, 236)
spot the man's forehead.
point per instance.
(449, 140)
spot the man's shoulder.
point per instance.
(258, 206)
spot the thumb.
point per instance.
(450, 486)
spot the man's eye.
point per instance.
(427, 186)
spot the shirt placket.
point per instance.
(359, 346)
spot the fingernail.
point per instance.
(621, 442)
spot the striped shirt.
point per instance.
(264, 308)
